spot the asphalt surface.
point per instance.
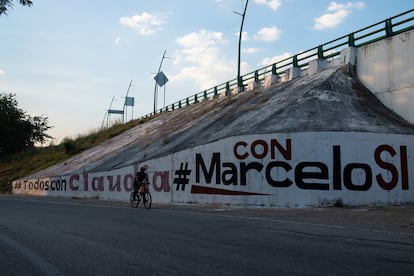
(58, 236)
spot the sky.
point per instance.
(70, 61)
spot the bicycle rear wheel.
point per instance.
(147, 200)
(133, 200)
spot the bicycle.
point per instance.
(142, 195)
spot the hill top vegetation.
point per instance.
(31, 160)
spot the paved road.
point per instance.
(44, 236)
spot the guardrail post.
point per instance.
(187, 101)
(295, 61)
(294, 71)
(195, 98)
(256, 83)
(273, 78)
(388, 27)
(215, 92)
(179, 104)
(227, 88)
(173, 106)
(256, 76)
(351, 40)
(274, 71)
(205, 94)
(320, 52)
(240, 84)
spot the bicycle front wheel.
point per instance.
(133, 200)
(147, 200)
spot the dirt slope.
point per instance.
(331, 100)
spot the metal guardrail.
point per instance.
(375, 32)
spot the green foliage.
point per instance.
(70, 146)
(19, 165)
(5, 5)
(19, 130)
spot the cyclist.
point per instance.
(140, 179)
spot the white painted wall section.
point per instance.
(386, 67)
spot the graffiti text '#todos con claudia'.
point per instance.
(311, 175)
(87, 183)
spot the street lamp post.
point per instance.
(239, 80)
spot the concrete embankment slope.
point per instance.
(315, 140)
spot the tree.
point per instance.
(19, 131)
(8, 4)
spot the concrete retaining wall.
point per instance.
(297, 169)
(386, 68)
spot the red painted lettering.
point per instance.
(387, 166)
(160, 181)
(236, 152)
(72, 185)
(114, 186)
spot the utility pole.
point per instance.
(239, 80)
(156, 85)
